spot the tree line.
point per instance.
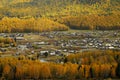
(92, 65)
(83, 22)
(29, 25)
(93, 22)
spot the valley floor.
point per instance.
(52, 46)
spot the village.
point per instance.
(53, 46)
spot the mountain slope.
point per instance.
(78, 14)
(51, 8)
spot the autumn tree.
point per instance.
(6, 71)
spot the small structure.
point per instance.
(22, 47)
(19, 38)
(41, 43)
(43, 52)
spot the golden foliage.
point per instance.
(13, 68)
(93, 22)
(29, 25)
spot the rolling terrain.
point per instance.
(77, 14)
(59, 39)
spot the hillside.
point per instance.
(65, 11)
(51, 8)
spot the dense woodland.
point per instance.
(94, 65)
(29, 25)
(93, 22)
(77, 14)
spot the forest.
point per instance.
(12, 25)
(76, 14)
(86, 65)
(93, 22)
